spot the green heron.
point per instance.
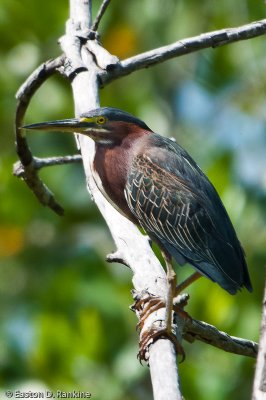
(156, 184)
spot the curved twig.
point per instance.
(29, 172)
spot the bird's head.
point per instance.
(105, 125)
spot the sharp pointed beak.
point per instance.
(64, 125)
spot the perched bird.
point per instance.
(155, 183)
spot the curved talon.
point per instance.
(152, 306)
(145, 306)
(150, 337)
(148, 304)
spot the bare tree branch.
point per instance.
(184, 46)
(163, 372)
(199, 330)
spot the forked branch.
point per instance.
(109, 69)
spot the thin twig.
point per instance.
(39, 163)
(185, 46)
(99, 16)
(61, 160)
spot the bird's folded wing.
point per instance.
(180, 209)
(168, 209)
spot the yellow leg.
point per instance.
(150, 304)
(171, 281)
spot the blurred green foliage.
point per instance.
(65, 322)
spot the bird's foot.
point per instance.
(145, 304)
(155, 333)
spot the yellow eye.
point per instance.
(101, 120)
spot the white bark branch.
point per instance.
(132, 246)
(164, 371)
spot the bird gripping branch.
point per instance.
(156, 184)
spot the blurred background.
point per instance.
(65, 318)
